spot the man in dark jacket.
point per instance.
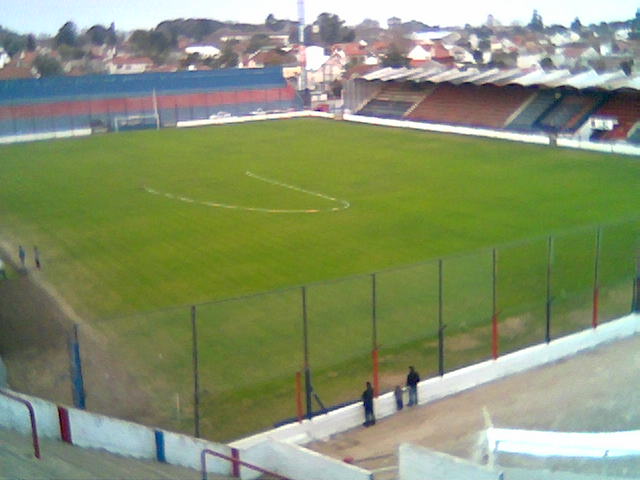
(367, 401)
(412, 384)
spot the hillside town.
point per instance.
(332, 52)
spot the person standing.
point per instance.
(367, 402)
(412, 385)
(22, 254)
(36, 256)
(3, 272)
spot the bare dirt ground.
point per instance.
(35, 329)
(597, 391)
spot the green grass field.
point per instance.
(114, 250)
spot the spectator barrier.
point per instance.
(351, 416)
(418, 463)
(620, 148)
(561, 444)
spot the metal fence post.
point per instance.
(374, 337)
(441, 325)
(307, 369)
(596, 280)
(196, 373)
(547, 335)
(495, 337)
(77, 380)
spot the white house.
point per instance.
(205, 51)
(4, 58)
(126, 65)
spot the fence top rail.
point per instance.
(236, 461)
(32, 419)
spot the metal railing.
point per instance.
(32, 418)
(236, 463)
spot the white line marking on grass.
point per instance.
(343, 203)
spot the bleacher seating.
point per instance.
(478, 105)
(526, 119)
(394, 101)
(570, 111)
(625, 107)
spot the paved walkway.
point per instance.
(597, 391)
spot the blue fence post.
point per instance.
(77, 381)
(160, 453)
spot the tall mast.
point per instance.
(303, 55)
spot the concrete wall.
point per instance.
(116, 436)
(253, 118)
(322, 427)
(620, 148)
(297, 462)
(31, 137)
(561, 444)
(419, 463)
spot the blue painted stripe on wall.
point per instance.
(160, 453)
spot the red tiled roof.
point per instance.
(132, 61)
(11, 71)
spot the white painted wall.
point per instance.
(116, 436)
(31, 137)
(297, 462)
(620, 148)
(15, 416)
(184, 451)
(349, 417)
(419, 463)
(564, 444)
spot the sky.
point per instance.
(47, 16)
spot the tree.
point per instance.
(67, 35)
(576, 25)
(332, 29)
(154, 44)
(257, 41)
(394, 58)
(536, 23)
(97, 35)
(228, 57)
(31, 43)
(12, 42)
(47, 66)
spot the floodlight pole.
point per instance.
(196, 373)
(303, 59)
(441, 325)
(307, 370)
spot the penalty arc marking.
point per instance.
(342, 204)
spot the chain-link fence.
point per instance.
(224, 369)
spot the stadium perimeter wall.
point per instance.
(607, 147)
(68, 104)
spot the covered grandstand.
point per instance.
(518, 100)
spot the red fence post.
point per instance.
(299, 410)
(65, 425)
(495, 337)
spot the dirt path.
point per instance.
(593, 392)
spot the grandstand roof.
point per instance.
(516, 76)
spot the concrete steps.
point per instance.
(62, 461)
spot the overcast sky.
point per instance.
(47, 16)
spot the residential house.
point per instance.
(126, 65)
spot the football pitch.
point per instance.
(147, 221)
